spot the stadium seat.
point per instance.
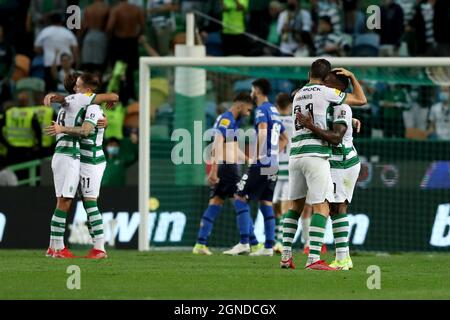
(213, 44)
(366, 45)
(37, 68)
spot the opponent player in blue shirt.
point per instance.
(223, 176)
(259, 181)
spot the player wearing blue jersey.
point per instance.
(223, 175)
(259, 181)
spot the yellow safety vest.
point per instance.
(45, 116)
(233, 20)
(115, 118)
(18, 130)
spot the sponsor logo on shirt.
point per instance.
(224, 123)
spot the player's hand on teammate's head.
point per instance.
(343, 72)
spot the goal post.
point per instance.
(145, 69)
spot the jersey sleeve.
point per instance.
(334, 95)
(342, 115)
(260, 117)
(93, 114)
(223, 124)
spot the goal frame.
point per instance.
(145, 64)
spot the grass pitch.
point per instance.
(26, 274)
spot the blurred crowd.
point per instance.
(38, 49)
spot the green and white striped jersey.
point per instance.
(71, 115)
(314, 99)
(344, 156)
(91, 146)
(288, 124)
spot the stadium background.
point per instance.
(401, 202)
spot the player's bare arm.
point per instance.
(53, 97)
(81, 132)
(334, 137)
(216, 153)
(109, 98)
(262, 139)
(357, 98)
(284, 139)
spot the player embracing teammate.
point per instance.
(310, 179)
(78, 159)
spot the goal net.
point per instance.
(401, 201)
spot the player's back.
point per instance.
(268, 113)
(70, 115)
(315, 100)
(345, 154)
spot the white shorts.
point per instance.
(344, 181)
(281, 192)
(91, 179)
(66, 175)
(310, 178)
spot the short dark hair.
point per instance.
(338, 81)
(243, 97)
(320, 68)
(69, 82)
(283, 100)
(65, 54)
(90, 80)
(263, 85)
(55, 18)
(114, 140)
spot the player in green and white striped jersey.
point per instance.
(345, 167)
(66, 160)
(309, 170)
(93, 164)
(281, 202)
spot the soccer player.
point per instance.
(259, 181)
(345, 167)
(92, 166)
(281, 203)
(309, 168)
(224, 174)
(66, 160)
